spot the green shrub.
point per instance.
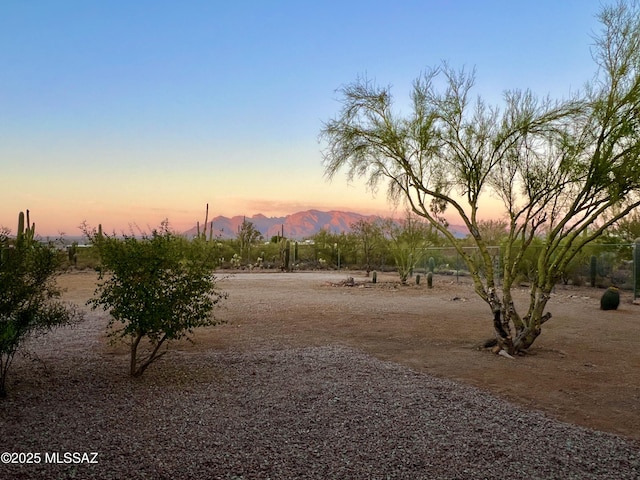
(29, 303)
(158, 288)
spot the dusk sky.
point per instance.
(130, 112)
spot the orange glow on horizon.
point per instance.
(145, 211)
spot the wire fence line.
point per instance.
(600, 264)
(604, 264)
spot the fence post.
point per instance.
(636, 269)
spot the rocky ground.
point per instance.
(311, 378)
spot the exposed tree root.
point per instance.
(492, 342)
(503, 353)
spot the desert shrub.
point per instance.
(156, 288)
(87, 257)
(29, 297)
(576, 280)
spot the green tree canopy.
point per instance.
(368, 234)
(159, 287)
(248, 236)
(407, 239)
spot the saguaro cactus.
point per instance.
(593, 267)
(287, 253)
(20, 231)
(203, 234)
(432, 264)
(206, 219)
(430, 280)
(72, 250)
(25, 233)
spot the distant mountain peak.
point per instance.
(298, 226)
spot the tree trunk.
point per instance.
(4, 367)
(528, 335)
(503, 336)
(515, 334)
(526, 338)
(500, 322)
(137, 370)
(134, 353)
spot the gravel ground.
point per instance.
(314, 412)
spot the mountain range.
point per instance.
(296, 226)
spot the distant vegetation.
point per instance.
(370, 247)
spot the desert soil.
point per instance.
(583, 370)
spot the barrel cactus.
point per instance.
(432, 264)
(610, 299)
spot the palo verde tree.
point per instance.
(564, 170)
(368, 236)
(29, 297)
(248, 236)
(407, 240)
(157, 288)
(628, 228)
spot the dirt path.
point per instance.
(584, 368)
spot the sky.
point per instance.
(127, 113)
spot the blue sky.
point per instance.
(121, 112)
